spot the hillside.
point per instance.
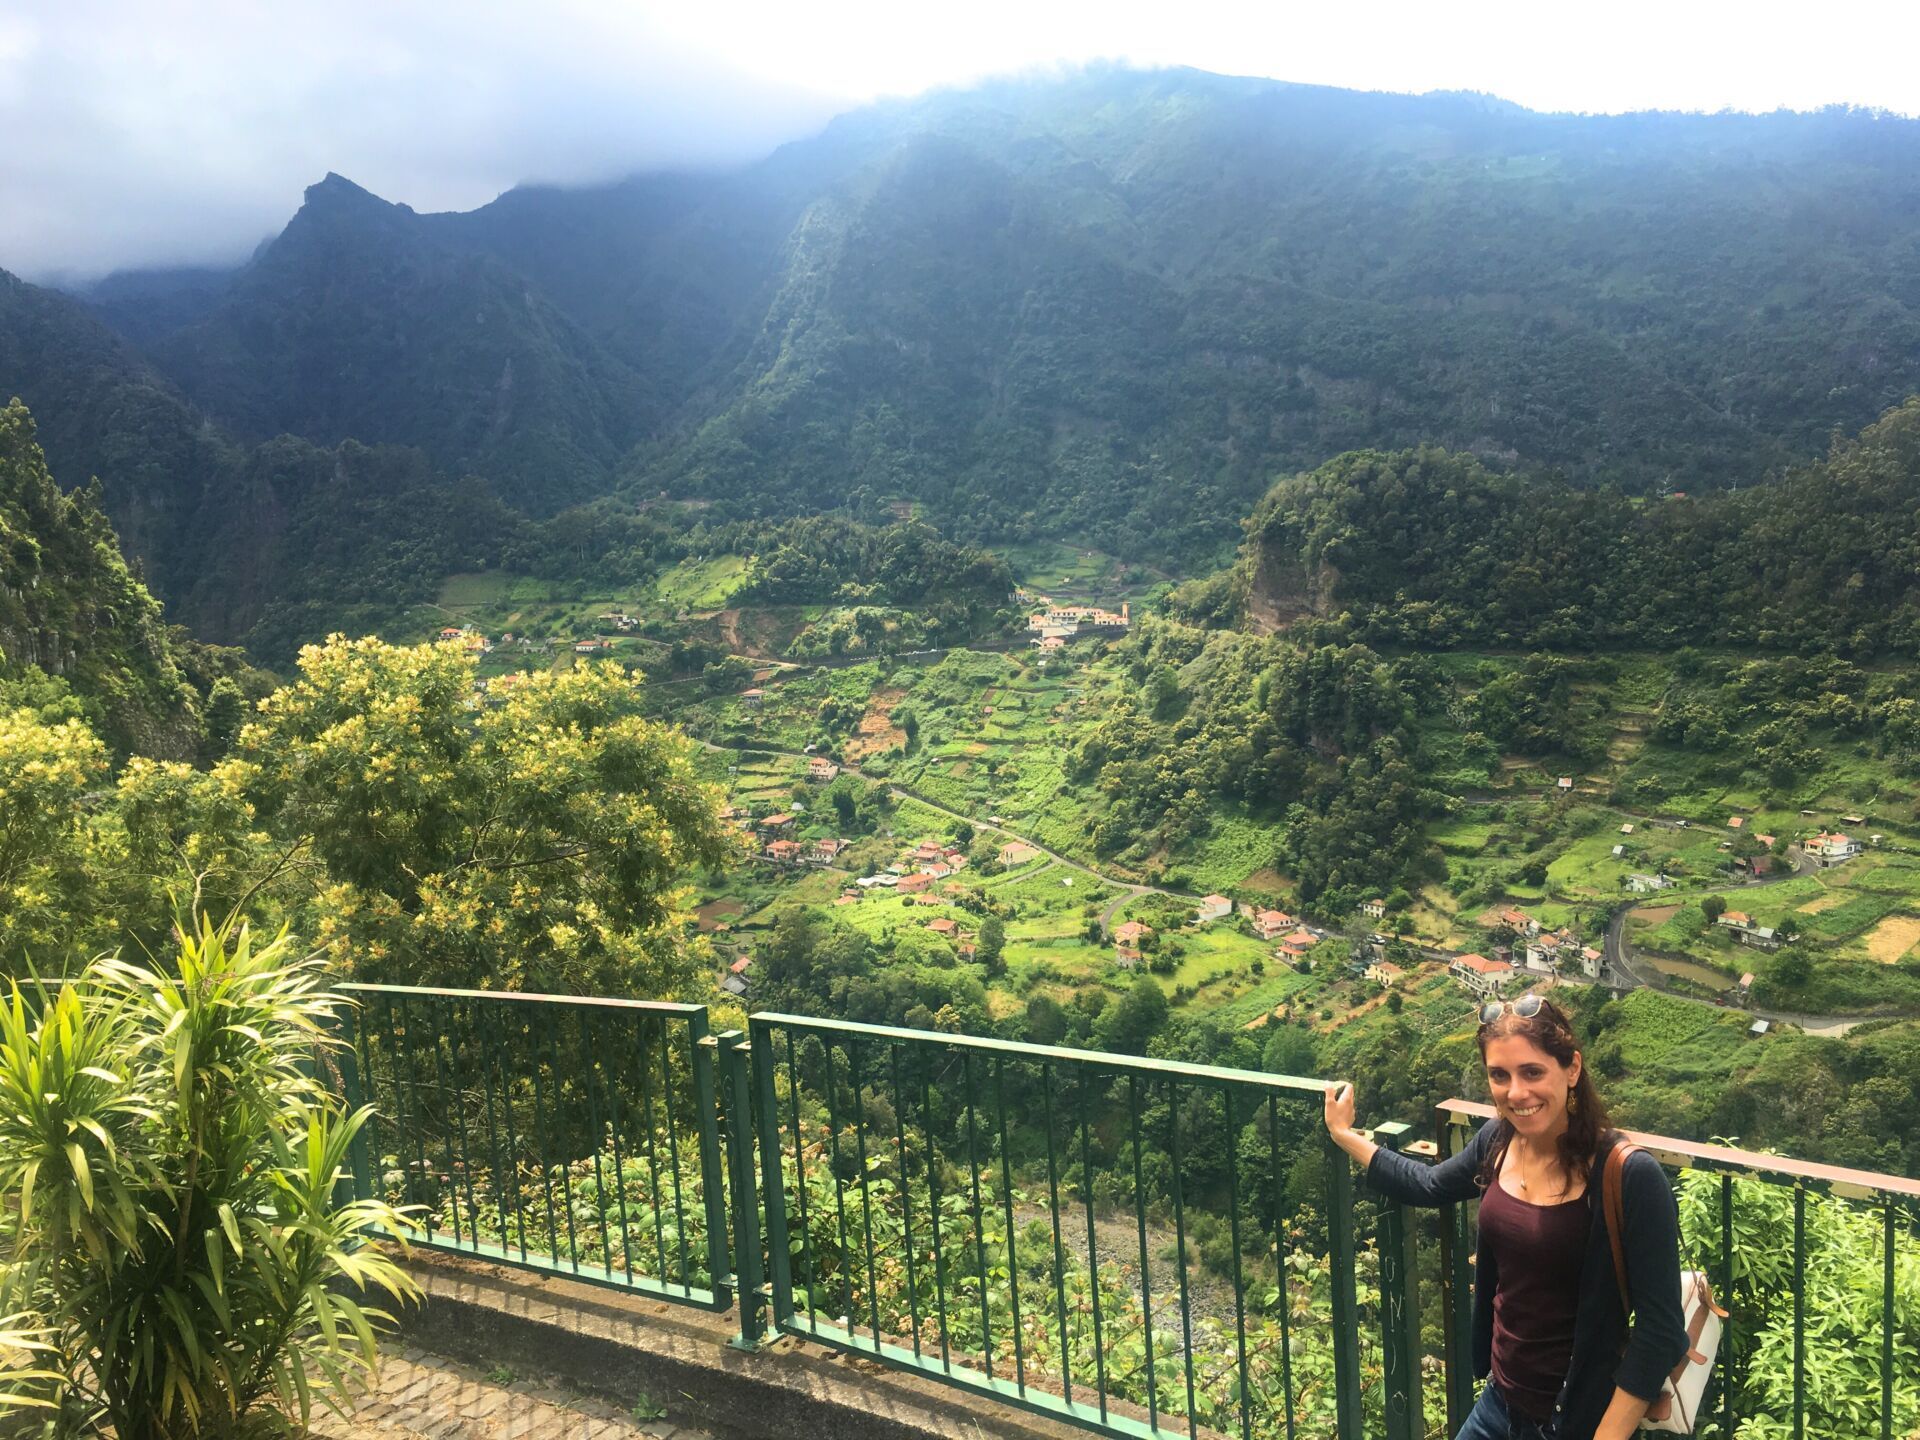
(70, 610)
(1111, 306)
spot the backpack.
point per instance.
(1678, 1405)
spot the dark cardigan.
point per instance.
(1605, 1355)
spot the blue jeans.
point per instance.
(1491, 1420)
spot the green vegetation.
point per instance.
(173, 1240)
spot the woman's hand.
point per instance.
(1339, 1108)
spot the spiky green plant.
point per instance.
(172, 1241)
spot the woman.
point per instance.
(1549, 1335)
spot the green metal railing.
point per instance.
(1024, 1222)
(578, 1136)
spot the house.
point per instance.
(914, 884)
(867, 882)
(750, 699)
(1626, 829)
(1016, 852)
(825, 850)
(1564, 784)
(741, 966)
(943, 926)
(1385, 972)
(1126, 957)
(1521, 922)
(1758, 1028)
(1744, 990)
(1766, 840)
(588, 647)
(1213, 907)
(1374, 909)
(1131, 932)
(1302, 938)
(937, 870)
(1479, 974)
(1641, 884)
(782, 821)
(784, 852)
(1735, 919)
(1762, 937)
(1268, 924)
(1756, 865)
(734, 984)
(451, 632)
(1052, 643)
(820, 769)
(1827, 850)
(1590, 960)
(927, 850)
(1618, 851)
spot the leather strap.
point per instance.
(1615, 1209)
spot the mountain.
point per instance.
(354, 324)
(1112, 306)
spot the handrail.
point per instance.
(1836, 1179)
(602, 1002)
(1106, 1059)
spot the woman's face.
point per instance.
(1529, 1086)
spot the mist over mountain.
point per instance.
(1116, 306)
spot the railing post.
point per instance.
(712, 1174)
(1456, 1314)
(357, 1183)
(773, 1190)
(1399, 1305)
(736, 1084)
(1346, 1321)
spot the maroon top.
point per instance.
(1537, 1251)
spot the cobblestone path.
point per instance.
(424, 1397)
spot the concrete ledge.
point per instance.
(617, 1345)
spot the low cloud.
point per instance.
(181, 132)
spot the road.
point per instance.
(1619, 958)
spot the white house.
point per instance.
(1641, 884)
(1374, 909)
(1213, 907)
(1479, 974)
(1826, 850)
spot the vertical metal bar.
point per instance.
(1799, 1311)
(773, 1189)
(1146, 1285)
(1006, 1196)
(1239, 1279)
(1399, 1306)
(1886, 1321)
(513, 1140)
(1180, 1250)
(356, 1094)
(933, 1204)
(643, 1054)
(1093, 1257)
(839, 1192)
(457, 1101)
(800, 1180)
(503, 1177)
(668, 1105)
(541, 1148)
(1726, 1335)
(1059, 1253)
(395, 1010)
(1346, 1318)
(446, 1129)
(735, 1086)
(1280, 1257)
(1456, 1314)
(610, 1089)
(979, 1221)
(588, 1065)
(566, 1168)
(866, 1189)
(703, 1051)
(905, 1175)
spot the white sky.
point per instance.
(180, 131)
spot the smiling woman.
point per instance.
(1550, 1331)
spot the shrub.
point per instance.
(167, 1170)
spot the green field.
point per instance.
(706, 584)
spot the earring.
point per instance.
(1573, 1102)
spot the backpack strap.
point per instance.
(1615, 1211)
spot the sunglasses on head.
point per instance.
(1526, 1007)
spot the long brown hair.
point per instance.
(1587, 1121)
